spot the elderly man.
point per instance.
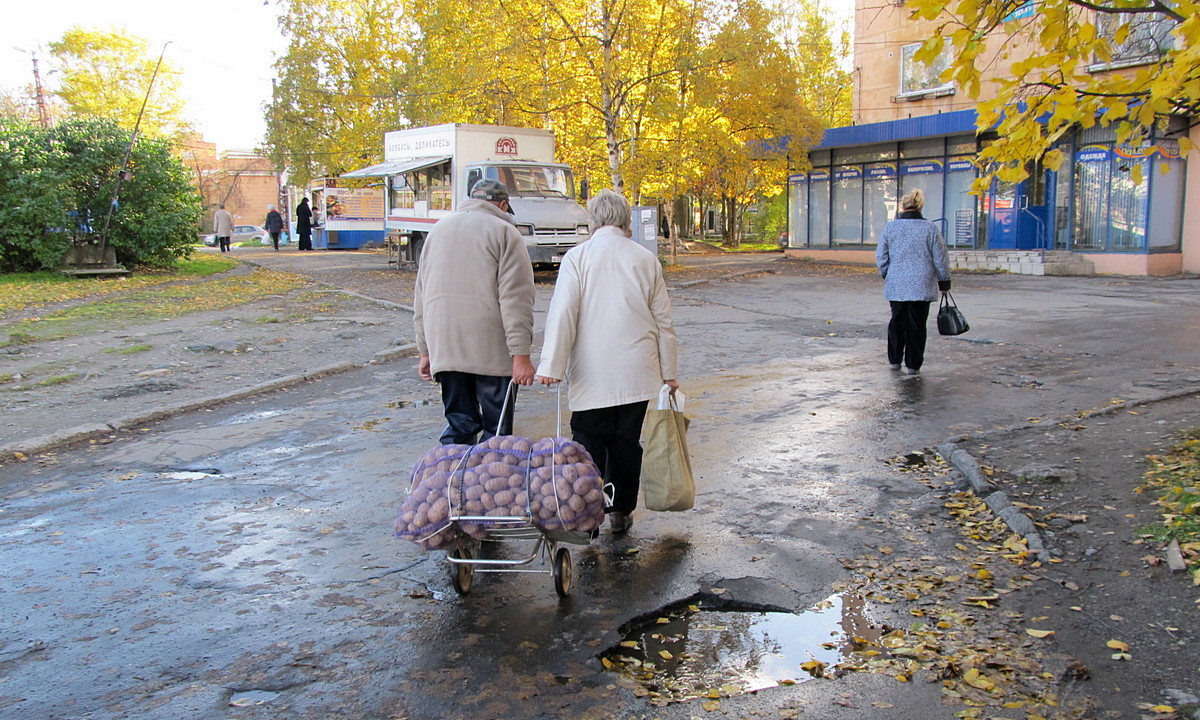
(473, 310)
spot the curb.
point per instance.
(723, 278)
(80, 433)
(997, 500)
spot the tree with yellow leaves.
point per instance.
(1131, 64)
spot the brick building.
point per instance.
(244, 181)
(913, 130)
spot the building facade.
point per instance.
(913, 131)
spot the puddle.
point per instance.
(692, 652)
(252, 697)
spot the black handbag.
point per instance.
(950, 320)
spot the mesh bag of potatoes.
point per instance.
(551, 483)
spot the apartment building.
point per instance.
(914, 130)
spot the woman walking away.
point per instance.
(274, 225)
(915, 265)
(609, 332)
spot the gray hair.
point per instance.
(914, 200)
(608, 207)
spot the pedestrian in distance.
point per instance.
(610, 334)
(304, 225)
(223, 227)
(473, 312)
(274, 225)
(915, 265)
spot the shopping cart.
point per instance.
(520, 531)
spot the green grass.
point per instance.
(58, 380)
(5, 378)
(24, 290)
(1173, 479)
(132, 350)
(188, 289)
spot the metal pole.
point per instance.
(125, 160)
(43, 113)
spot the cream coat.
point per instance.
(609, 330)
(473, 301)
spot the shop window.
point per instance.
(847, 206)
(798, 211)
(403, 197)
(879, 199)
(1166, 201)
(818, 208)
(961, 208)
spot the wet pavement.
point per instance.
(239, 562)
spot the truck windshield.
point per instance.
(535, 180)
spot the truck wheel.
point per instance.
(416, 243)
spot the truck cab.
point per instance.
(542, 197)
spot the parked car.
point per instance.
(242, 234)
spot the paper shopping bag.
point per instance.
(666, 478)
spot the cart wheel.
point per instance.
(461, 574)
(562, 572)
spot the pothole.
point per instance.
(689, 651)
(413, 403)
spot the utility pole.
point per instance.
(43, 113)
(121, 174)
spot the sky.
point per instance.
(225, 48)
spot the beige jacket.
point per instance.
(222, 223)
(609, 330)
(473, 302)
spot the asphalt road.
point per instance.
(239, 563)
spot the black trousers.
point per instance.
(224, 243)
(612, 436)
(275, 240)
(906, 333)
(472, 404)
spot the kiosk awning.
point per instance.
(395, 167)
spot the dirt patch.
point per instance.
(1108, 585)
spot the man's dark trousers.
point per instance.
(473, 404)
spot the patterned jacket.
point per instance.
(912, 258)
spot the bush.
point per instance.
(58, 183)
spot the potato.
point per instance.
(546, 513)
(546, 473)
(504, 498)
(497, 512)
(420, 520)
(563, 488)
(407, 517)
(576, 503)
(535, 485)
(521, 499)
(474, 492)
(594, 495)
(516, 481)
(583, 485)
(488, 500)
(535, 507)
(496, 484)
(569, 473)
(424, 507)
(473, 507)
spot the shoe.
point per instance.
(914, 371)
(619, 522)
(895, 366)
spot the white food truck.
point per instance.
(428, 171)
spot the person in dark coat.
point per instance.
(915, 265)
(304, 225)
(274, 225)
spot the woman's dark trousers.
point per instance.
(612, 436)
(473, 404)
(906, 333)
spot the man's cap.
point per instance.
(490, 190)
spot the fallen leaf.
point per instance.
(1039, 633)
(712, 705)
(1118, 645)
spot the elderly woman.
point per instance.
(609, 333)
(915, 265)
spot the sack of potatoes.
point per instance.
(456, 489)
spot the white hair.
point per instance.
(608, 207)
